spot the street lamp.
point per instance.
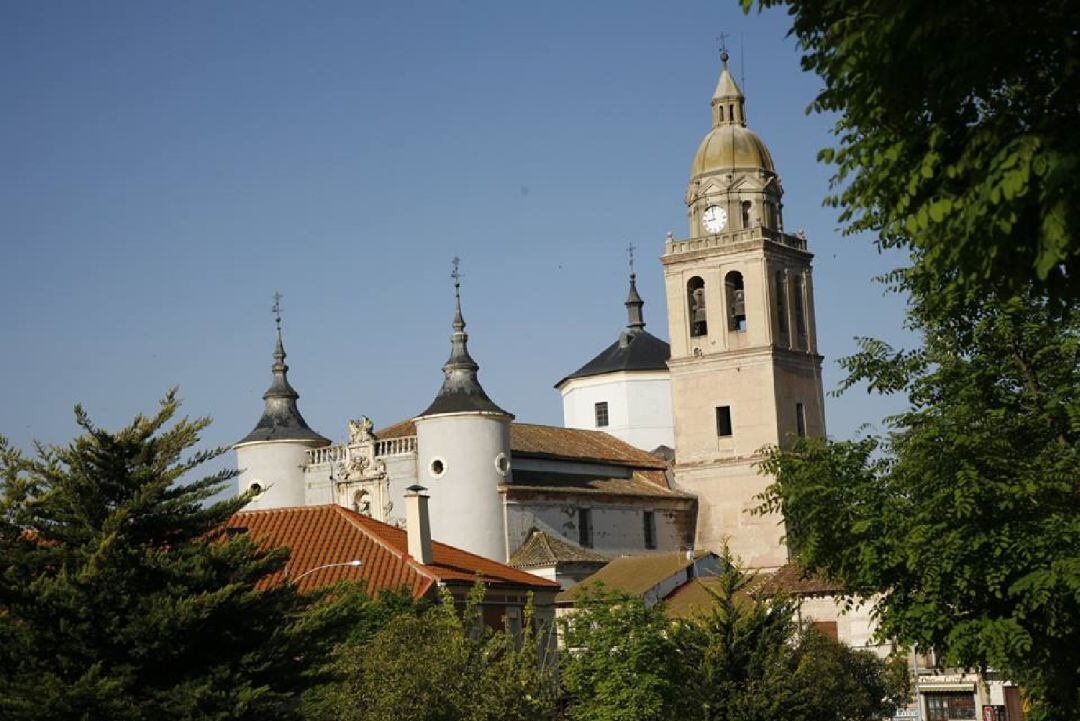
(355, 563)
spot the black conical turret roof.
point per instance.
(281, 419)
(635, 350)
(461, 391)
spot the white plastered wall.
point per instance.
(278, 467)
(466, 507)
(639, 406)
(617, 528)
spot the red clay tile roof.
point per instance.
(633, 575)
(321, 535)
(544, 549)
(538, 441)
(791, 578)
(640, 483)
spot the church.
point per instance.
(659, 441)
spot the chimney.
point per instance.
(417, 523)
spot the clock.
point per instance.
(714, 219)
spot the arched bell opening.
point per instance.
(695, 301)
(736, 301)
(781, 308)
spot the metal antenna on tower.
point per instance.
(742, 63)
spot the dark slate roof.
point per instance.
(544, 549)
(461, 390)
(281, 419)
(634, 351)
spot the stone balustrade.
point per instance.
(672, 246)
(395, 446)
(327, 454)
(339, 453)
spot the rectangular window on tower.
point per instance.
(584, 527)
(601, 413)
(723, 421)
(800, 420)
(649, 519)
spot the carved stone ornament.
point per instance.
(361, 431)
(358, 463)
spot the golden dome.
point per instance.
(728, 147)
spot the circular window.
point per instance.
(437, 467)
(256, 488)
(502, 464)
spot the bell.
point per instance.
(738, 305)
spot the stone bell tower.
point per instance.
(745, 372)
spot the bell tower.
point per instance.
(745, 371)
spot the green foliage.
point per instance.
(121, 599)
(966, 519)
(439, 663)
(748, 659)
(622, 662)
(956, 132)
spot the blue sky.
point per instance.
(168, 166)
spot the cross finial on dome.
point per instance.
(630, 252)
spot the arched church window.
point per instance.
(781, 306)
(800, 312)
(746, 204)
(695, 298)
(721, 109)
(736, 301)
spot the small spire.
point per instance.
(634, 303)
(728, 101)
(280, 387)
(461, 389)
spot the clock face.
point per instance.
(714, 218)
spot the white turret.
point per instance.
(272, 456)
(463, 454)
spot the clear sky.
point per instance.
(165, 167)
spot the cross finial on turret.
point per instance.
(276, 309)
(456, 275)
(459, 320)
(722, 39)
(630, 252)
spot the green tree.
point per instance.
(120, 597)
(956, 132)
(747, 659)
(621, 662)
(964, 522)
(439, 663)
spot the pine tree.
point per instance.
(121, 597)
